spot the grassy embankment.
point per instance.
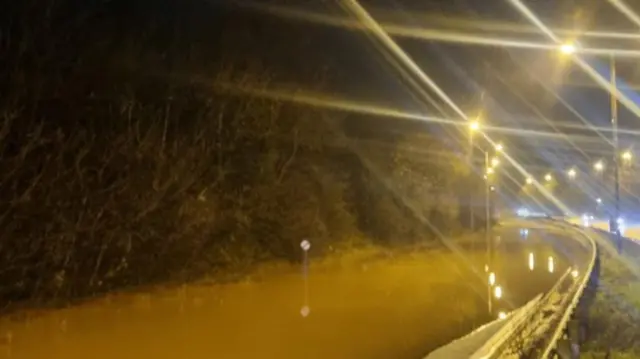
(614, 329)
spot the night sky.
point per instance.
(522, 88)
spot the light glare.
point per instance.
(567, 49)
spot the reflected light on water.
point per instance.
(531, 261)
(492, 278)
(305, 311)
(502, 315)
(551, 265)
(498, 292)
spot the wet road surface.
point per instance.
(387, 306)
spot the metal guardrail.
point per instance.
(570, 309)
(515, 321)
(549, 340)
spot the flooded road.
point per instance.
(387, 306)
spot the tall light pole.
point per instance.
(616, 166)
(474, 126)
(568, 49)
(487, 202)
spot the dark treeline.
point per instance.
(131, 150)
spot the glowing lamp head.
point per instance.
(598, 166)
(568, 49)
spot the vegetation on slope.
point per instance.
(127, 159)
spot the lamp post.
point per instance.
(568, 49)
(613, 222)
(474, 126)
(487, 234)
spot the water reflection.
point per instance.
(498, 292)
(551, 266)
(340, 292)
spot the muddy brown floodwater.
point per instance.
(400, 306)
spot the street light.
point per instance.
(490, 170)
(598, 166)
(548, 177)
(599, 200)
(474, 126)
(499, 147)
(567, 48)
(529, 180)
(495, 162)
(572, 173)
(626, 155)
